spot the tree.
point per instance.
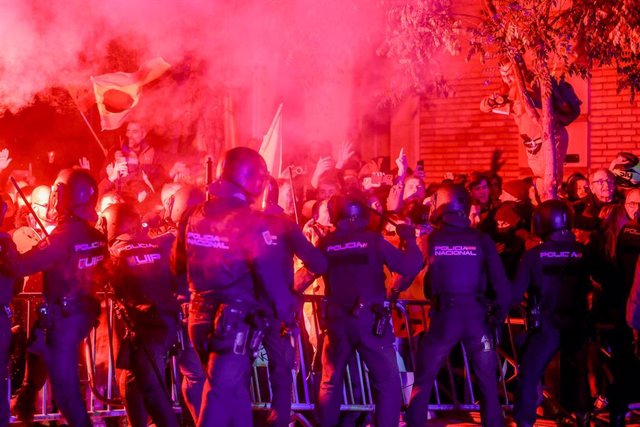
(558, 38)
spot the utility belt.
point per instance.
(445, 302)
(67, 307)
(381, 313)
(238, 326)
(449, 301)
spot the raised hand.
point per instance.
(324, 164)
(84, 163)
(402, 163)
(117, 169)
(345, 151)
(5, 160)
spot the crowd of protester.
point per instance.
(605, 205)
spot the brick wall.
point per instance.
(614, 121)
(455, 136)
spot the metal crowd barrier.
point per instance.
(99, 382)
(453, 390)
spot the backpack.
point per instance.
(562, 93)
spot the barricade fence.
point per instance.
(453, 389)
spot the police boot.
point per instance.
(617, 419)
(583, 420)
(24, 405)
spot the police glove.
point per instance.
(406, 232)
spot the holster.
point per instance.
(44, 320)
(259, 323)
(382, 318)
(534, 318)
(493, 321)
(230, 328)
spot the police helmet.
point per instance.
(450, 199)
(74, 192)
(550, 216)
(183, 199)
(626, 168)
(119, 219)
(351, 207)
(246, 169)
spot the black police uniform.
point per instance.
(464, 269)
(222, 248)
(188, 361)
(8, 285)
(356, 293)
(71, 260)
(556, 277)
(284, 239)
(624, 366)
(143, 285)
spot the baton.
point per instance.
(209, 176)
(383, 216)
(26, 202)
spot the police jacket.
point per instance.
(284, 240)
(71, 259)
(464, 261)
(357, 257)
(221, 247)
(627, 251)
(633, 303)
(140, 273)
(556, 274)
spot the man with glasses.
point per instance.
(602, 184)
(603, 192)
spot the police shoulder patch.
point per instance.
(269, 239)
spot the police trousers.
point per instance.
(144, 360)
(192, 376)
(61, 358)
(464, 323)
(540, 347)
(346, 334)
(281, 355)
(5, 342)
(225, 398)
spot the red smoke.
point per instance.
(308, 54)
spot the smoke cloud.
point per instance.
(311, 55)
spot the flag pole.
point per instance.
(293, 195)
(86, 121)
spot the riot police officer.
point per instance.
(555, 275)
(71, 258)
(286, 240)
(144, 291)
(8, 285)
(357, 317)
(222, 247)
(468, 287)
(191, 369)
